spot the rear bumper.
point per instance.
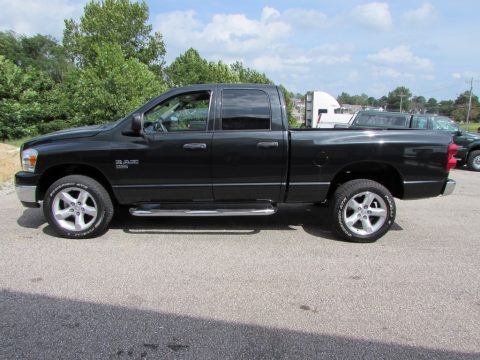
(449, 187)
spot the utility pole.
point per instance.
(469, 102)
(401, 100)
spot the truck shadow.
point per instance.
(314, 220)
(37, 326)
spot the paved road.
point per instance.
(245, 288)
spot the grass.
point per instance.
(18, 142)
(472, 127)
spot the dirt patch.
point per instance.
(9, 162)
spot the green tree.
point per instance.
(461, 107)
(418, 104)
(110, 87)
(27, 99)
(446, 107)
(400, 95)
(344, 98)
(190, 68)
(39, 52)
(119, 22)
(247, 75)
(432, 106)
(289, 105)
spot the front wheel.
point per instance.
(78, 207)
(362, 210)
(473, 162)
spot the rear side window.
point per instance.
(382, 120)
(245, 110)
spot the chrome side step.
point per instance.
(164, 210)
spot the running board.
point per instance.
(164, 210)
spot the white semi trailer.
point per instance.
(322, 110)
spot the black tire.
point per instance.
(473, 162)
(366, 224)
(87, 218)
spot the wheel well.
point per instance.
(382, 173)
(56, 172)
(473, 149)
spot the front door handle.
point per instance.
(195, 146)
(267, 145)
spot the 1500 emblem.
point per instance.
(123, 164)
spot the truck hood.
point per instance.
(73, 133)
(472, 136)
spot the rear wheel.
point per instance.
(78, 207)
(362, 210)
(473, 162)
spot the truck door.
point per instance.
(172, 163)
(247, 150)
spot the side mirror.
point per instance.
(137, 123)
(459, 133)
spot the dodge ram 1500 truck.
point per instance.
(227, 150)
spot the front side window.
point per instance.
(184, 112)
(245, 110)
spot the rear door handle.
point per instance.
(195, 146)
(267, 145)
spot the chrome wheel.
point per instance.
(74, 209)
(365, 213)
(476, 162)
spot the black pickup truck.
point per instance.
(227, 150)
(468, 151)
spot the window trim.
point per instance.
(243, 130)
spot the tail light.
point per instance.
(451, 160)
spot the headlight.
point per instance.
(29, 160)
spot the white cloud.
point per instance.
(467, 75)
(233, 33)
(291, 59)
(30, 17)
(375, 16)
(269, 13)
(401, 55)
(383, 71)
(422, 15)
(304, 19)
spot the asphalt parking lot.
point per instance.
(245, 288)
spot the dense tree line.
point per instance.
(108, 63)
(456, 109)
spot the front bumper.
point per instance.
(449, 187)
(26, 193)
(26, 188)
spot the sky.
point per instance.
(431, 47)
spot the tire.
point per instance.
(362, 211)
(78, 207)
(473, 162)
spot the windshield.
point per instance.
(432, 122)
(381, 120)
